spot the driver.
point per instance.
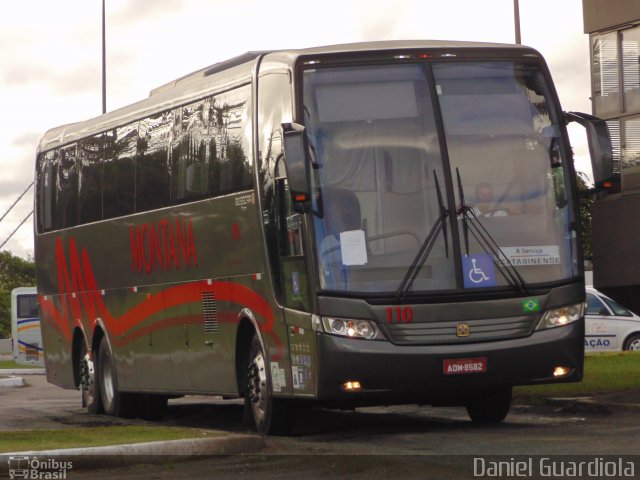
(485, 206)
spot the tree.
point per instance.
(586, 202)
(14, 272)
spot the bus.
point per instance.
(362, 224)
(25, 327)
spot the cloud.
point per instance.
(79, 80)
(142, 10)
(27, 140)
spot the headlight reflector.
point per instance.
(558, 317)
(349, 328)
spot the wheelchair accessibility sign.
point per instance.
(479, 270)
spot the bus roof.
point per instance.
(229, 73)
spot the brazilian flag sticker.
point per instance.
(531, 305)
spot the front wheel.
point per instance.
(490, 406)
(271, 416)
(632, 343)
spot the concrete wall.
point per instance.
(604, 14)
(5, 346)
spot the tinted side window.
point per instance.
(152, 168)
(90, 179)
(66, 212)
(192, 145)
(595, 306)
(45, 190)
(618, 309)
(119, 171)
(27, 306)
(230, 122)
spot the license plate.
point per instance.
(464, 366)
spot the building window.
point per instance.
(631, 69)
(631, 154)
(606, 88)
(614, 133)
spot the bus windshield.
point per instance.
(386, 138)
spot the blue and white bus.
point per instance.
(25, 327)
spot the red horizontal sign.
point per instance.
(463, 366)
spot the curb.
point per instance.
(115, 456)
(22, 371)
(12, 381)
(588, 405)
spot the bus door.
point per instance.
(294, 289)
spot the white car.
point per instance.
(609, 326)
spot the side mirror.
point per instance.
(296, 161)
(599, 145)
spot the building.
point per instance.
(614, 32)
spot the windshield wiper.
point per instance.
(471, 223)
(426, 247)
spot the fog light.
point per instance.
(351, 386)
(561, 371)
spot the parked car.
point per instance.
(609, 326)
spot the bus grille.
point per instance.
(209, 312)
(485, 330)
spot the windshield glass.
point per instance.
(379, 164)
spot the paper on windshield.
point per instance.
(353, 247)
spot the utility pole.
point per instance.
(516, 20)
(104, 65)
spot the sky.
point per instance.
(50, 56)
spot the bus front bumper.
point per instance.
(389, 373)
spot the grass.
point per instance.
(10, 364)
(603, 373)
(27, 440)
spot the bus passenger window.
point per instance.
(90, 179)
(119, 171)
(190, 153)
(229, 120)
(66, 212)
(45, 199)
(152, 172)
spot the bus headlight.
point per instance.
(557, 317)
(349, 328)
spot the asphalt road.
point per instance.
(371, 443)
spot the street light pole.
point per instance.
(104, 66)
(516, 20)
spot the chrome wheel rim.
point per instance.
(87, 378)
(107, 380)
(258, 388)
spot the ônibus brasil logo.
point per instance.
(34, 468)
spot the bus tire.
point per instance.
(490, 406)
(88, 387)
(114, 402)
(632, 342)
(271, 416)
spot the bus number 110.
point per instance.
(399, 315)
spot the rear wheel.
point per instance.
(490, 406)
(115, 403)
(632, 343)
(271, 416)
